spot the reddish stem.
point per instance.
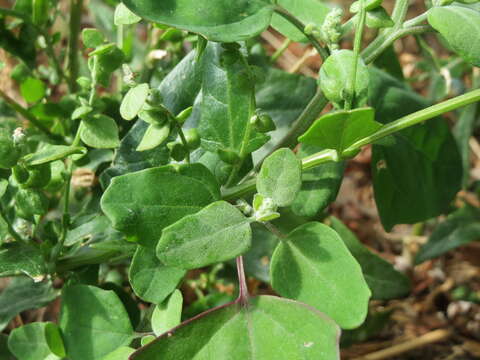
(242, 283)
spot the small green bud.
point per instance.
(193, 138)
(228, 156)
(264, 208)
(263, 122)
(309, 28)
(244, 207)
(178, 152)
(184, 115)
(332, 27)
(155, 97)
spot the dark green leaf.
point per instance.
(50, 153)
(151, 280)
(341, 129)
(217, 233)
(128, 159)
(93, 321)
(459, 25)
(314, 266)
(460, 228)
(418, 172)
(280, 177)
(145, 202)
(335, 74)
(9, 153)
(216, 20)
(22, 294)
(100, 132)
(372, 327)
(320, 185)
(268, 328)
(167, 314)
(17, 258)
(227, 105)
(307, 11)
(382, 278)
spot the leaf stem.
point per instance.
(301, 26)
(329, 155)
(242, 283)
(183, 139)
(280, 50)
(350, 88)
(76, 7)
(31, 118)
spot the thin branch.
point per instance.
(242, 283)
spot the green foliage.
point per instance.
(341, 129)
(167, 314)
(298, 330)
(100, 132)
(313, 265)
(459, 25)
(220, 20)
(133, 101)
(217, 233)
(18, 259)
(93, 321)
(334, 75)
(280, 177)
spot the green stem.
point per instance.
(329, 155)
(183, 139)
(418, 117)
(350, 89)
(280, 50)
(300, 26)
(76, 7)
(120, 41)
(52, 56)
(32, 119)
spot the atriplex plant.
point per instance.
(206, 174)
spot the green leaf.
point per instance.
(382, 278)
(217, 233)
(145, 202)
(320, 185)
(227, 104)
(92, 38)
(128, 159)
(123, 16)
(3, 187)
(314, 266)
(133, 101)
(30, 202)
(167, 314)
(215, 20)
(460, 228)
(93, 321)
(9, 153)
(151, 280)
(378, 18)
(280, 177)
(22, 294)
(100, 131)
(459, 25)
(33, 89)
(417, 173)
(340, 129)
(17, 258)
(33, 342)
(154, 136)
(50, 153)
(268, 328)
(283, 96)
(368, 5)
(122, 353)
(335, 74)
(307, 11)
(5, 353)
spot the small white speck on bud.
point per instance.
(18, 135)
(158, 54)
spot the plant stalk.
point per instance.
(242, 283)
(76, 7)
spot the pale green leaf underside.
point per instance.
(30, 342)
(314, 266)
(216, 20)
(268, 328)
(280, 177)
(100, 132)
(51, 153)
(460, 26)
(17, 258)
(167, 314)
(133, 101)
(217, 233)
